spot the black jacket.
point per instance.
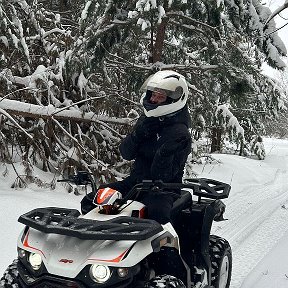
(161, 157)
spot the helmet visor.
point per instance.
(161, 91)
(175, 95)
(156, 93)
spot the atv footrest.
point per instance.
(65, 221)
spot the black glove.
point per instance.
(145, 128)
(87, 203)
(173, 146)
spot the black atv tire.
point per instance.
(165, 281)
(9, 278)
(221, 262)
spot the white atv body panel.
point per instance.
(66, 256)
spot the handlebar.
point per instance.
(63, 180)
(81, 178)
(202, 187)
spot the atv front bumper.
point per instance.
(83, 280)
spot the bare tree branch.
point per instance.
(181, 15)
(77, 142)
(276, 30)
(15, 123)
(276, 12)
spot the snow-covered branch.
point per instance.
(36, 111)
(229, 121)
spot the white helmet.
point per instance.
(175, 87)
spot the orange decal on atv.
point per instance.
(26, 244)
(115, 260)
(103, 194)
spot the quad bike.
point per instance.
(114, 246)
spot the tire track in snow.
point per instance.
(244, 205)
(249, 212)
(258, 244)
(256, 223)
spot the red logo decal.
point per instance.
(66, 261)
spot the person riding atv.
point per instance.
(159, 143)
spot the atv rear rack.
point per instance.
(66, 221)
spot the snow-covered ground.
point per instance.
(15, 202)
(257, 213)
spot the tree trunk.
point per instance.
(241, 149)
(159, 43)
(216, 139)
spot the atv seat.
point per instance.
(183, 202)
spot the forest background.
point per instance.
(71, 73)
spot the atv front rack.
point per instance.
(66, 221)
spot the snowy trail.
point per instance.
(252, 207)
(257, 220)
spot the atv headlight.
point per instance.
(21, 253)
(122, 272)
(100, 273)
(35, 260)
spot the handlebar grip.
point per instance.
(63, 180)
